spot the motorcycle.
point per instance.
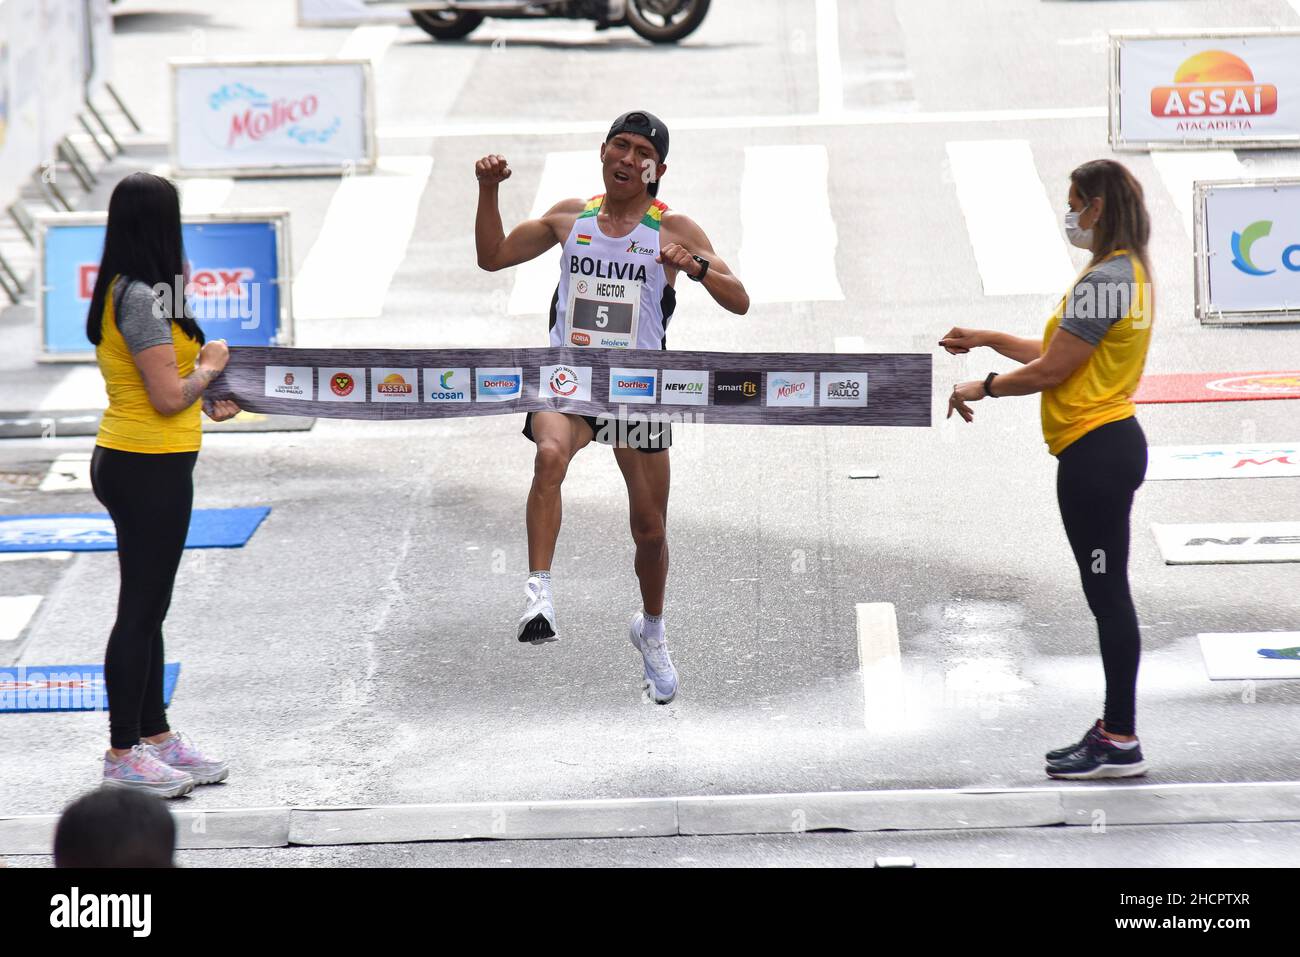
(659, 21)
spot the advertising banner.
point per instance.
(1215, 543)
(637, 386)
(1193, 90)
(1261, 460)
(272, 118)
(1247, 251)
(238, 277)
(1218, 387)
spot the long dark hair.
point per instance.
(143, 241)
(1124, 222)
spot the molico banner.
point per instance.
(264, 118)
(1192, 90)
(1247, 245)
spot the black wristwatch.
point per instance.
(988, 382)
(704, 268)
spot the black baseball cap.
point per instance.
(644, 124)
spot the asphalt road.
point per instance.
(360, 648)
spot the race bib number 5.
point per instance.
(603, 313)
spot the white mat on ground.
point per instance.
(1217, 543)
(1259, 460)
(1247, 655)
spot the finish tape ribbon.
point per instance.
(763, 388)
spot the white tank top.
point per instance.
(612, 294)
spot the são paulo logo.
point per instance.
(1243, 241)
(1217, 84)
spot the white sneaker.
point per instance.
(660, 675)
(537, 623)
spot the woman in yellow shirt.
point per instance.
(155, 365)
(1087, 367)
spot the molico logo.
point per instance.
(1244, 240)
(241, 116)
(791, 388)
(1214, 84)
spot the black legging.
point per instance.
(149, 497)
(1095, 480)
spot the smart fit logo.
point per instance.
(1244, 241)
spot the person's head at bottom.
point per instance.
(115, 827)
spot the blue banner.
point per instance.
(27, 688)
(233, 288)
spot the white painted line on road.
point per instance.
(15, 612)
(1017, 240)
(68, 473)
(28, 556)
(767, 121)
(830, 75)
(850, 344)
(1179, 170)
(81, 388)
(565, 175)
(785, 193)
(369, 42)
(362, 242)
(881, 665)
(203, 195)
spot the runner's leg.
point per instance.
(647, 478)
(559, 438)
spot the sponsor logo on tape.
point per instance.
(844, 389)
(736, 388)
(288, 382)
(633, 385)
(684, 387)
(446, 385)
(565, 382)
(341, 385)
(393, 385)
(498, 384)
(796, 389)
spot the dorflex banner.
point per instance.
(238, 264)
(1247, 251)
(1169, 462)
(1190, 90)
(268, 118)
(646, 385)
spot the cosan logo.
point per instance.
(1214, 83)
(75, 909)
(448, 388)
(1243, 241)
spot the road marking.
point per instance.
(15, 612)
(25, 556)
(830, 75)
(850, 344)
(1018, 243)
(363, 240)
(784, 193)
(81, 388)
(369, 42)
(779, 121)
(565, 174)
(201, 195)
(881, 665)
(69, 472)
(1179, 170)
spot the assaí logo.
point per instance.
(1242, 243)
(1216, 85)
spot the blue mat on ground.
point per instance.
(93, 531)
(25, 688)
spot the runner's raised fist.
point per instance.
(492, 169)
(676, 255)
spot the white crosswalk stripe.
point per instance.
(69, 472)
(1180, 169)
(565, 175)
(15, 612)
(1014, 232)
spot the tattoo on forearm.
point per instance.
(192, 385)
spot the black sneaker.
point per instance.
(1065, 752)
(1099, 758)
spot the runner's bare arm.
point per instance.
(526, 241)
(683, 239)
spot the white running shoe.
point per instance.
(537, 623)
(660, 676)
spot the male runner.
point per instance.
(624, 231)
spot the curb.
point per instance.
(864, 811)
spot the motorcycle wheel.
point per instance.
(665, 21)
(446, 25)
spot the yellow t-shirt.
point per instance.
(131, 423)
(1101, 390)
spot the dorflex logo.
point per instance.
(288, 382)
(1244, 241)
(735, 388)
(393, 385)
(844, 389)
(1216, 84)
(796, 389)
(498, 384)
(446, 385)
(341, 385)
(633, 385)
(75, 909)
(684, 387)
(565, 382)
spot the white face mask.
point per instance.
(1078, 237)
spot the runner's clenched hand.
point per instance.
(676, 255)
(492, 170)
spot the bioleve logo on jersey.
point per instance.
(633, 385)
(684, 387)
(341, 385)
(1243, 241)
(498, 384)
(393, 385)
(288, 382)
(446, 385)
(1214, 90)
(565, 382)
(844, 389)
(791, 389)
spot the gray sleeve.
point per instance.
(1099, 300)
(137, 320)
